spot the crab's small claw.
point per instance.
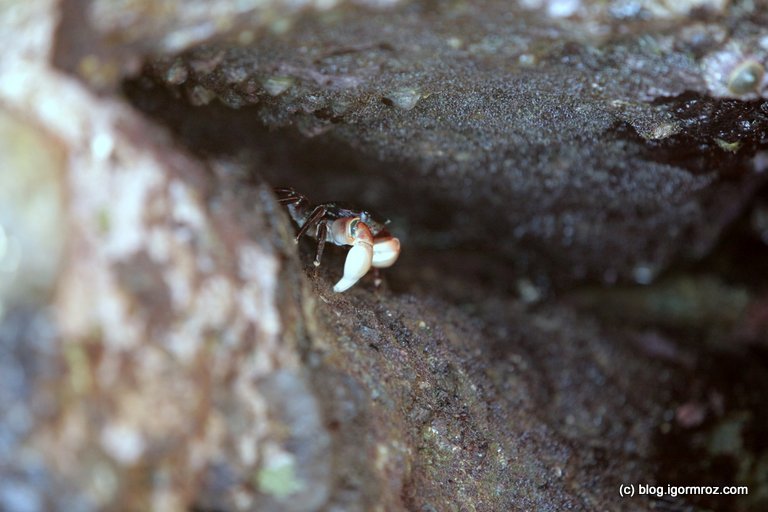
(360, 256)
(386, 250)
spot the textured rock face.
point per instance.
(163, 347)
(565, 144)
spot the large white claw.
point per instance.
(358, 264)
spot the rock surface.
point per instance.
(549, 141)
(164, 345)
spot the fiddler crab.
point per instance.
(372, 245)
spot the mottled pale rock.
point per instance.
(32, 233)
(142, 371)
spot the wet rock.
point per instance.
(102, 41)
(572, 155)
(499, 420)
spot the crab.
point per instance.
(372, 245)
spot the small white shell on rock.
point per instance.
(733, 72)
(200, 96)
(405, 98)
(746, 78)
(177, 74)
(277, 85)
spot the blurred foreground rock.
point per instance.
(163, 348)
(141, 367)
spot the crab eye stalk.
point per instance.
(343, 230)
